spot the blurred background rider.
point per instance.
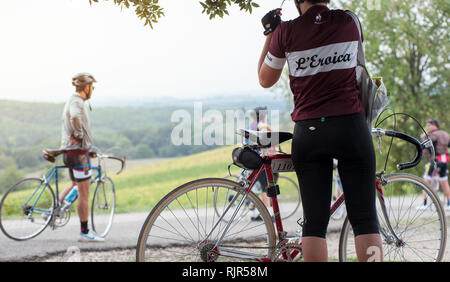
(441, 141)
(259, 123)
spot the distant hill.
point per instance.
(137, 128)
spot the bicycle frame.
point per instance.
(277, 215)
(48, 177)
(285, 165)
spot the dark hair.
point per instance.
(318, 1)
(433, 122)
(259, 113)
(312, 1)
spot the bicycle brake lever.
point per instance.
(379, 144)
(429, 145)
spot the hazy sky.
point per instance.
(44, 43)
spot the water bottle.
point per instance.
(71, 197)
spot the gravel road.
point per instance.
(61, 245)
(129, 255)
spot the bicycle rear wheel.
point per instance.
(103, 207)
(26, 209)
(184, 226)
(408, 232)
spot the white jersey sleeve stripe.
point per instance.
(274, 62)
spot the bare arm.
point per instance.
(264, 126)
(267, 75)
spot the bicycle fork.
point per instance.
(392, 237)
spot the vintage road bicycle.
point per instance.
(184, 226)
(289, 201)
(30, 205)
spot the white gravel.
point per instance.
(129, 255)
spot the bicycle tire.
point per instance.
(103, 207)
(18, 209)
(172, 234)
(431, 230)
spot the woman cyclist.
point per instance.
(320, 48)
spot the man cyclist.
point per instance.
(320, 48)
(441, 142)
(76, 142)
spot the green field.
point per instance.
(139, 189)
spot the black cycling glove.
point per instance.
(270, 21)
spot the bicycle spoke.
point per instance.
(412, 233)
(187, 226)
(26, 209)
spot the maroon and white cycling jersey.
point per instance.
(320, 48)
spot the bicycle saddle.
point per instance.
(50, 155)
(264, 139)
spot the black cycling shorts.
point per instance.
(262, 179)
(441, 168)
(79, 167)
(315, 144)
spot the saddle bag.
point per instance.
(244, 157)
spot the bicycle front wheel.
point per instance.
(26, 209)
(103, 207)
(192, 224)
(409, 231)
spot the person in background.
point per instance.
(259, 123)
(441, 141)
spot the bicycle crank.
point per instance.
(62, 219)
(288, 252)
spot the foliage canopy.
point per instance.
(150, 11)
